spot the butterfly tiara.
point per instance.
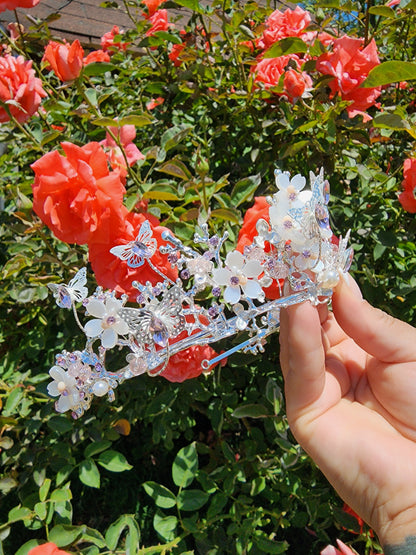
(295, 246)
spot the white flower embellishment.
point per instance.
(239, 274)
(107, 325)
(65, 386)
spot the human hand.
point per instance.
(350, 386)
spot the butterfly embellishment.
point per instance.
(157, 323)
(139, 250)
(75, 291)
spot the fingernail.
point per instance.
(352, 285)
(286, 288)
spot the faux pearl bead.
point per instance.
(100, 388)
(329, 279)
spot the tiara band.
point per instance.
(295, 246)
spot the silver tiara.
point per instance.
(295, 246)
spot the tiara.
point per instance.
(295, 247)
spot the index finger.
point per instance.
(302, 355)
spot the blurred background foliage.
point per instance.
(207, 466)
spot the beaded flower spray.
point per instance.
(295, 246)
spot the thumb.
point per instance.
(375, 331)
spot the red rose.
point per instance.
(96, 56)
(295, 82)
(280, 25)
(19, 84)
(47, 549)
(260, 210)
(13, 4)
(350, 63)
(113, 273)
(72, 193)
(159, 21)
(407, 197)
(66, 60)
(108, 41)
(152, 6)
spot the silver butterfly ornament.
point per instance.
(139, 250)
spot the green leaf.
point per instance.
(161, 495)
(19, 513)
(114, 461)
(94, 536)
(91, 94)
(251, 411)
(114, 531)
(165, 526)
(14, 266)
(64, 534)
(96, 447)
(185, 466)
(60, 424)
(98, 68)
(244, 189)
(175, 168)
(257, 485)
(162, 192)
(383, 11)
(7, 484)
(104, 122)
(41, 509)
(390, 72)
(292, 149)
(290, 45)
(218, 502)
(89, 473)
(62, 494)
(191, 4)
(227, 214)
(192, 499)
(63, 473)
(48, 137)
(44, 489)
(390, 121)
(270, 546)
(13, 400)
(139, 120)
(64, 512)
(6, 442)
(174, 136)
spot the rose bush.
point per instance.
(215, 467)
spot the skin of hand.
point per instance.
(350, 387)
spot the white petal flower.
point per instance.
(308, 257)
(232, 294)
(239, 274)
(63, 385)
(107, 324)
